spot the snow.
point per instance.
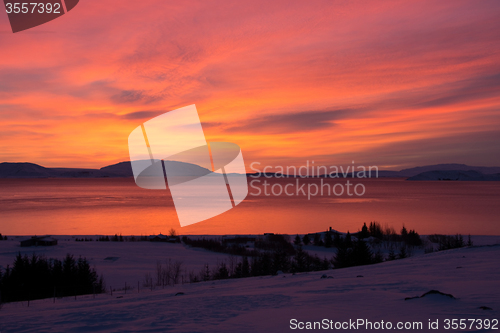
(135, 259)
(265, 304)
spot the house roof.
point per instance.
(37, 238)
(159, 236)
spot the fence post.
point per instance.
(54, 294)
(111, 290)
(125, 287)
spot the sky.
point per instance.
(395, 83)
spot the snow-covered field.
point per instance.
(118, 262)
(264, 304)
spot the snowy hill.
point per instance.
(268, 304)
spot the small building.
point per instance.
(157, 238)
(164, 238)
(39, 241)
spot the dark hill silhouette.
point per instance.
(31, 170)
(24, 170)
(118, 170)
(448, 167)
(124, 169)
(470, 175)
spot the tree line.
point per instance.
(37, 277)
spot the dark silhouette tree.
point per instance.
(364, 232)
(375, 230)
(343, 257)
(361, 253)
(36, 277)
(403, 253)
(300, 261)
(348, 240)
(306, 240)
(404, 233)
(222, 272)
(469, 241)
(328, 239)
(392, 255)
(317, 239)
(281, 261)
(412, 238)
(205, 273)
(377, 257)
(245, 267)
(297, 241)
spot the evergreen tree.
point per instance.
(222, 272)
(306, 240)
(300, 264)
(337, 240)
(238, 270)
(342, 258)
(325, 264)
(378, 257)
(412, 238)
(364, 232)
(317, 239)
(402, 252)
(348, 240)
(297, 241)
(255, 269)
(361, 253)
(266, 265)
(245, 267)
(328, 239)
(392, 255)
(206, 273)
(280, 261)
(404, 233)
(469, 241)
(376, 230)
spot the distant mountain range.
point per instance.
(124, 169)
(119, 170)
(456, 175)
(443, 167)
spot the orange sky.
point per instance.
(394, 83)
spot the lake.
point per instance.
(109, 206)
